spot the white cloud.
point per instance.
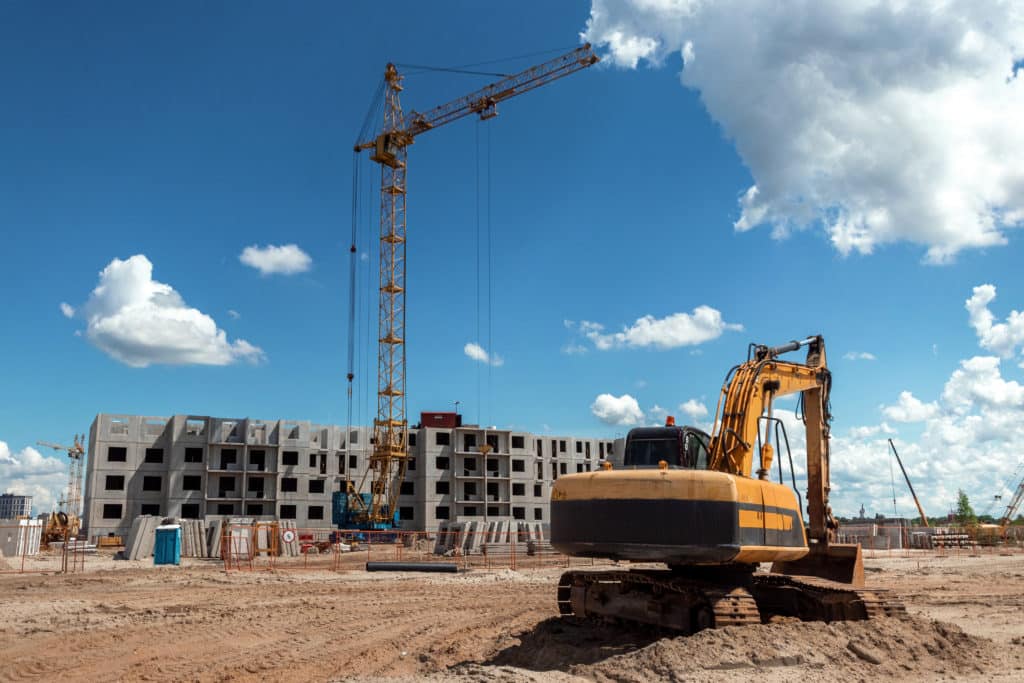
(910, 409)
(67, 309)
(869, 431)
(617, 410)
(572, 349)
(140, 321)
(29, 473)
(858, 355)
(287, 259)
(233, 314)
(694, 409)
(1001, 338)
(881, 122)
(480, 354)
(978, 382)
(679, 329)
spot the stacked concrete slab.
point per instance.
(21, 538)
(476, 537)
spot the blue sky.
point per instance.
(188, 132)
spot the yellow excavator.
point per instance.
(693, 502)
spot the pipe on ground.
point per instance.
(440, 567)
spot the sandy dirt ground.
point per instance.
(131, 621)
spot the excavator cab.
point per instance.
(677, 447)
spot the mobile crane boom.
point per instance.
(920, 510)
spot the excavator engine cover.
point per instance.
(841, 562)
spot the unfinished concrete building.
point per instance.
(198, 467)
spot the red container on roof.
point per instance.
(441, 420)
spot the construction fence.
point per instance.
(270, 545)
(21, 542)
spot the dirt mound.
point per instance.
(882, 648)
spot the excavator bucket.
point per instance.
(838, 562)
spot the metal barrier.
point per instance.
(267, 546)
(31, 554)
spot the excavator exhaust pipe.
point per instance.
(841, 562)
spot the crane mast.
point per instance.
(389, 458)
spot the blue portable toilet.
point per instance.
(167, 548)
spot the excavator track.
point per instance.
(813, 599)
(670, 600)
(656, 597)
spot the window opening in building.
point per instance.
(540, 470)
(587, 448)
(468, 442)
(540, 448)
(190, 510)
(538, 513)
(412, 440)
(193, 455)
(117, 454)
(228, 457)
(470, 511)
(518, 465)
(492, 490)
(289, 457)
(150, 509)
(191, 482)
(562, 469)
(289, 484)
(412, 464)
(469, 464)
(112, 511)
(492, 511)
(492, 441)
(316, 486)
(579, 467)
(115, 482)
(561, 446)
(518, 489)
(519, 513)
(315, 512)
(441, 462)
(353, 438)
(258, 460)
(469, 489)
(195, 427)
(441, 487)
(254, 508)
(287, 512)
(312, 459)
(538, 490)
(225, 508)
(151, 483)
(154, 455)
(518, 442)
(353, 462)
(323, 463)
(407, 488)
(256, 487)
(441, 512)
(579, 446)
(405, 513)
(225, 486)
(442, 439)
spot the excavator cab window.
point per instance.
(649, 452)
(695, 451)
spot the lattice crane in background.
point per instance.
(71, 502)
(389, 458)
(1011, 509)
(65, 522)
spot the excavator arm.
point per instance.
(745, 403)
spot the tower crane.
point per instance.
(389, 149)
(65, 522)
(920, 510)
(1011, 509)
